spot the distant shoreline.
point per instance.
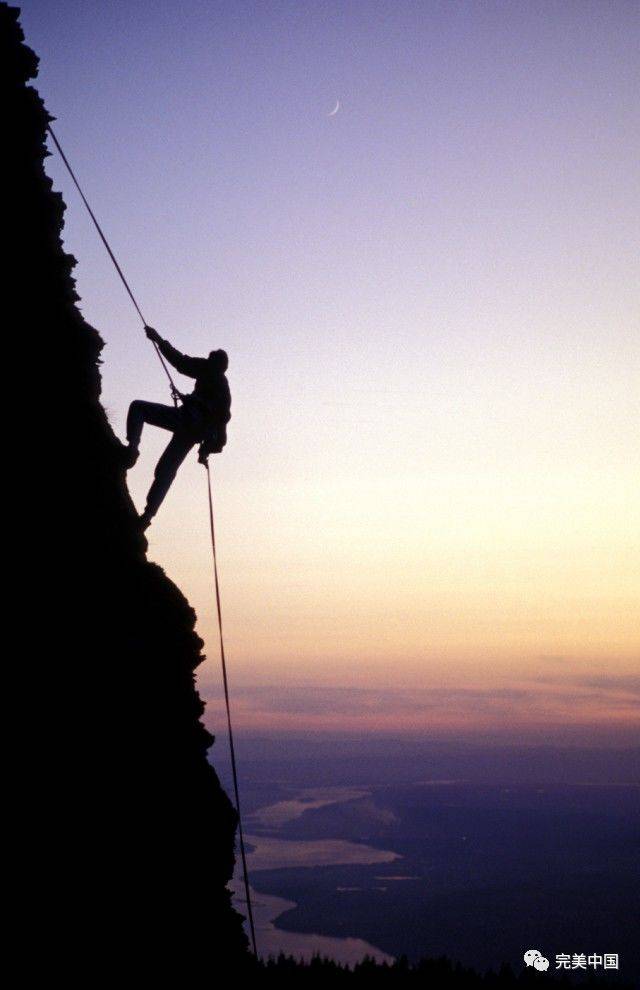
(268, 852)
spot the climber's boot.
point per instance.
(129, 455)
(144, 520)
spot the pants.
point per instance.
(178, 422)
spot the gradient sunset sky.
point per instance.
(428, 506)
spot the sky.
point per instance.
(427, 508)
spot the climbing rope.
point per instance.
(175, 395)
(234, 769)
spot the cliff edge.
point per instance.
(135, 834)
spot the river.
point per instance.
(269, 852)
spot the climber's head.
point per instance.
(219, 360)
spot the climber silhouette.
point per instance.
(201, 419)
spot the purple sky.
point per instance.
(431, 305)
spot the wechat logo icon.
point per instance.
(534, 958)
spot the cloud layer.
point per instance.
(598, 705)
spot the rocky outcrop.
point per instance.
(135, 837)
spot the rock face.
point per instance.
(135, 837)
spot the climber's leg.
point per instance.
(140, 412)
(153, 413)
(166, 468)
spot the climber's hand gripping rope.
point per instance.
(156, 340)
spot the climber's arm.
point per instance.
(186, 365)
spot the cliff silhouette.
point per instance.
(137, 835)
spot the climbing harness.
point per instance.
(176, 395)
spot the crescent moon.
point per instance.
(333, 112)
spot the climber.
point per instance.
(201, 419)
